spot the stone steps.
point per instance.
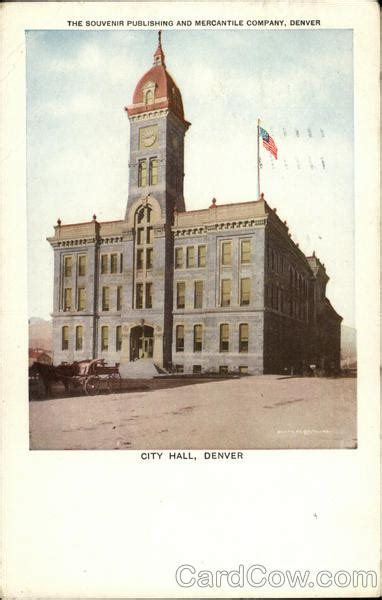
(144, 368)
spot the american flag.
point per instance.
(268, 142)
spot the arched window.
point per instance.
(79, 337)
(104, 338)
(118, 338)
(243, 337)
(198, 338)
(153, 171)
(224, 337)
(142, 173)
(179, 338)
(149, 97)
(65, 338)
(143, 257)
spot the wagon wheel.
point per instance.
(93, 385)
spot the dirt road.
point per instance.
(253, 412)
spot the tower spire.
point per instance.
(159, 54)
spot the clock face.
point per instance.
(148, 136)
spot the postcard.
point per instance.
(190, 349)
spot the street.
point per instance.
(263, 412)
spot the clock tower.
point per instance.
(157, 130)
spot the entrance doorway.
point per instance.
(141, 342)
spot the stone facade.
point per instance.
(223, 288)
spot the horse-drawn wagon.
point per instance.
(91, 376)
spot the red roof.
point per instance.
(36, 352)
(164, 86)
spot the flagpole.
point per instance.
(258, 158)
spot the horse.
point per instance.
(50, 374)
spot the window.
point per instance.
(68, 266)
(140, 259)
(243, 337)
(224, 337)
(149, 295)
(226, 253)
(119, 297)
(68, 299)
(198, 338)
(104, 337)
(81, 298)
(144, 214)
(243, 369)
(196, 368)
(139, 295)
(179, 338)
(201, 256)
(245, 291)
(149, 97)
(143, 255)
(149, 234)
(65, 338)
(223, 369)
(226, 292)
(79, 337)
(180, 294)
(118, 338)
(105, 298)
(142, 173)
(121, 263)
(178, 258)
(179, 368)
(153, 173)
(198, 294)
(114, 263)
(104, 268)
(81, 266)
(245, 252)
(190, 256)
(149, 258)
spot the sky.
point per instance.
(298, 82)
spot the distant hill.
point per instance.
(40, 333)
(348, 346)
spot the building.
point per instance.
(219, 289)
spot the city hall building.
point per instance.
(223, 288)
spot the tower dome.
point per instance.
(156, 89)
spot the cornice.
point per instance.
(217, 227)
(152, 114)
(57, 243)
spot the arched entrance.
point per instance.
(141, 342)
